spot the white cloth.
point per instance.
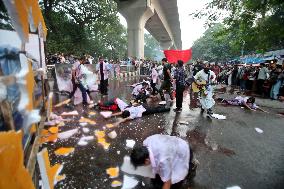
(137, 89)
(154, 75)
(135, 112)
(229, 78)
(90, 59)
(62, 59)
(262, 74)
(77, 68)
(160, 69)
(201, 75)
(243, 100)
(121, 104)
(206, 99)
(169, 156)
(105, 70)
(3, 92)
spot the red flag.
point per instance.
(174, 55)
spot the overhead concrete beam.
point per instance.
(163, 18)
(166, 45)
(160, 17)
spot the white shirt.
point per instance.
(136, 89)
(201, 75)
(121, 104)
(262, 74)
(169, 156)
(160, 69)
(105, 70)
(135, 112)
(62, 59)
(91, 60)
(154, 75)
(243, 100)
(77, 68)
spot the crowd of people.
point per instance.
(131, 64)
(168, 81)
(265, 80)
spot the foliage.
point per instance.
(213, 46)
(85, 26)
(254, 25)
(4, 18)
(152, 49)
(80, 26)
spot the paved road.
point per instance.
(230, 151)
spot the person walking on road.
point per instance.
(77, 80)
(103, 70)
(154, 79)
(167, 83)
(179, 77)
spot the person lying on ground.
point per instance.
(140, 83)
(170, 157)
(133, 112)
(248, 102)
(111, 105)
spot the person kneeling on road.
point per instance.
(170, 157)
(140, 92)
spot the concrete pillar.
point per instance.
(136, 13)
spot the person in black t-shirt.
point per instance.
(167, 83)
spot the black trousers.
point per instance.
(259, 86)
(153, 110)
(249, 84)
(157, 182)
(166, 85)
(82, 89)
(179, 95)
(155, 90)
(141, 96)
(103, 86)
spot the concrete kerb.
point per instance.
(128, 74)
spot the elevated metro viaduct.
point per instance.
(159, 17)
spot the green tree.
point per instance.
(4, 18)
(152, 49)
(253, 24)
(87, 26)
(213, 45)
(77, 27)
